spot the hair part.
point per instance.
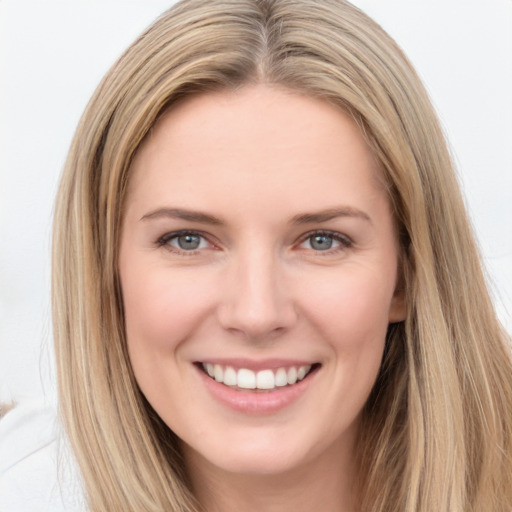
(436, 429)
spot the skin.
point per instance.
(258, 288)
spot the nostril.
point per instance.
(257, 311)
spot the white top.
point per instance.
(37, 471)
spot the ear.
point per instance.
(398, 306)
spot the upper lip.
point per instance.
(256, 365)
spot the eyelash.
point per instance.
(164, 241)
(344, 241)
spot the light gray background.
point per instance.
(53, 53)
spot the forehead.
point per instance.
(256, 140)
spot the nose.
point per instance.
(257, 303)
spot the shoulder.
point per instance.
(37, 471)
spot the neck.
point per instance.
(326, 483)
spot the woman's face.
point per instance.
(258, 246)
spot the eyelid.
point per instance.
(344, 240)
(163, 241)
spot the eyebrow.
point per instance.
(179, 213)
(303, 218)
(329, 214)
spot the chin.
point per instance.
(252, 462)
(265, 450)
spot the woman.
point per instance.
(260, 248)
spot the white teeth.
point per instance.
(292, 375)
(218, 373)
(264, 379)
(209, 369)
(281, 379)
(246, 379)
(301, 372)
(230, 377)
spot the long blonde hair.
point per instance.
(437, 428)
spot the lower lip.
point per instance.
(257, 402)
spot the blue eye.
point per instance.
(187, 242)
(322, 241)
(184, 241)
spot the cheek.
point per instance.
(350, 311)
(353, 308)
(162, 308)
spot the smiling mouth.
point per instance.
(244, 379)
